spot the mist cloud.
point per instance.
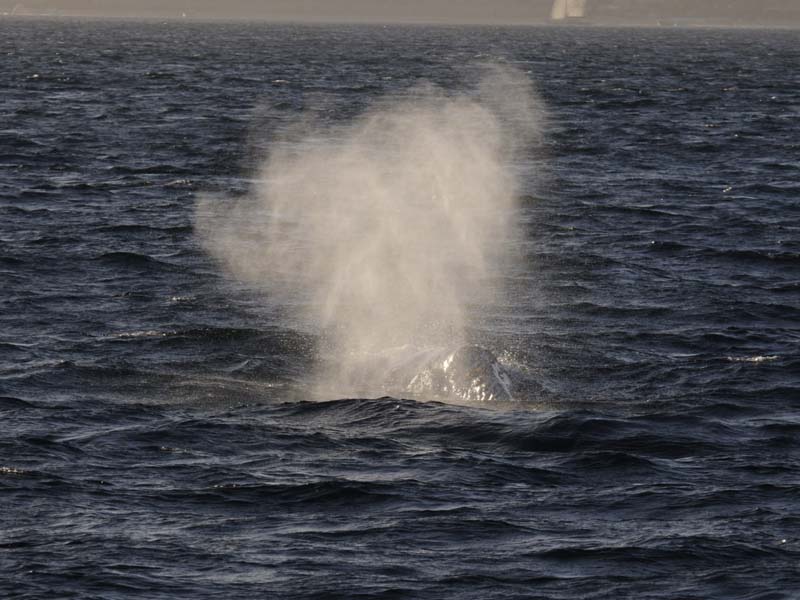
(391, 230)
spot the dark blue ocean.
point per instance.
(156, 441)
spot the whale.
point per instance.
(467, 373)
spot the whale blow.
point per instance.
(396, 228)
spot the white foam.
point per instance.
(752, 359)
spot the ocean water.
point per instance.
(157, 439)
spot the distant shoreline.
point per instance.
(660, 24)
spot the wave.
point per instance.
(137, 228)
(154, 169)
(56, 241)
(11, 260)
(668, 247)
(526, 429)
(133, 260)
(22, 211)
(11, 403)
(754, 256)
(200, 333)
(619, 311)
(317, 496)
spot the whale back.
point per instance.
(470, 373)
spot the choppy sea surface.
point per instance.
(155, 440)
